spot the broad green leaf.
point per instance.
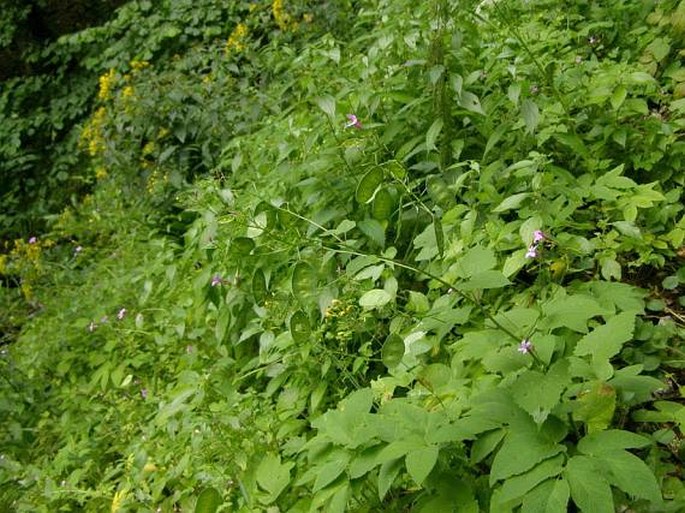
(420, 463)
(272, 476)
(208, 501)
(222, 322)
(383, 205)
(439, 236)
(618, 96)
(476, 260)
(242, 245)
(470, 102)
(387, 475)
(521, 451)
(571, 311)
(607, 340)
(259, 286)
(485, 280)
(365, 461)
(327, 105)
(373, 230)
(368, 185)
(513, 201)
(300, 328)
(433, 133)
(549, 497)
(589, 489)
(330, 472)
(485, 444)
(531, 115)
(640, 77)
(338, 502)
(303, 280)
(539, 393)
(629, 473)
(517, 486)
(596, 406)
(611, 440)
(375, 298)
(392, 351)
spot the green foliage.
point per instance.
(427, 260)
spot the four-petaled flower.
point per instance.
(353, 121)
(33, 240)
(121, 314)
(532, 251)
(217, 280)
(525, 347)
(538, 236)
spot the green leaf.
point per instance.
(517, 486)
(470, 102)
(439, 236)
(589, 490)
(272, 476)
(303, 280)
(242, 245)
(300, 328)
(433, 133)
(607, 340)
(208, 501)
(368, 185)
(222, 322)
(618, 96)
(387, 475)
(327, 105)
(392, 351)
(572, 312)
(373, 230)
(330, 472)
(383, 205)
(549, 497)
(640, 77)
(475, 260)
(531, 115)
(485, 444)
(485, 280)
(259, 286)
(513, 201)
(611, 441)
(630, 474)
(521, 451)
(596, 407)
(539, 393)
(420, 463)
(375, 298)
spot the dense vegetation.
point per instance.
(373, 255)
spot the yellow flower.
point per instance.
(100, 173)
(138, 65)
(106, 82)
(282, 18)
(128, 92)
(236, 41)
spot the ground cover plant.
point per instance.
(355, 256)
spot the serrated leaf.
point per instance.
(485, 444)
(368, 185)
(420, 463)
(521, 451)
(208, 501)
(272, 476)
(433, 133)
(475, 260)
(531, 115)
(571, 311)
(611, 440)
(596, 407)
(485, 280)
(392, 351)
(549, 497)
(373, 230)
(589, 490)
(330, 472)
(607, 340)
(539, 393)
(517, 486)
(513, 201)
(630, 474)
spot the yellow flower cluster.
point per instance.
(92, 136)
(139, 65)
(107, 81)
(101, 173)
(236, 41)
(25, 261)
(283, 19)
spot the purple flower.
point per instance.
(538, 236)
(525, 346)
(532, 251)
(217, 280)
(33, 240)
(353, 122)
(121, 314)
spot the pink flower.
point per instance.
(525, 347)
(121, 314)
(532, 251)
(538, 236)
(353, 122)
(33, 240)
(217, 280)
